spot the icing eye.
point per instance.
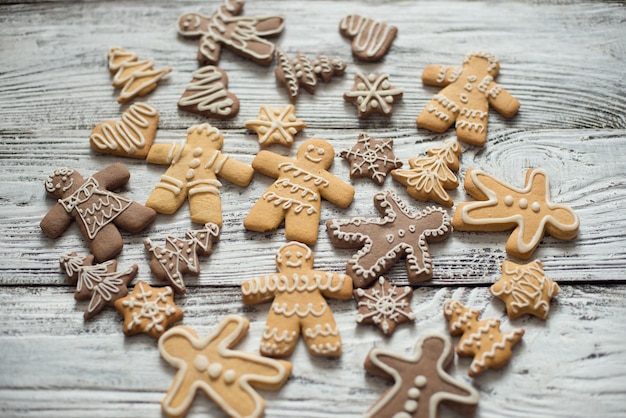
(299, 255)
(64, 179)
(310, 148)
(320, 151)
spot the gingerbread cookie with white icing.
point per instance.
(372, 158)
(207, 94)
(276, 125)
(370, 38)
(373, 94)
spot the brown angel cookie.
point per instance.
(130, 136)
(372, 158)
(180, 256)
(243, 35)
(98, 211)
(276, 125)
(373, 94)
(384, 305)
(102, 284)
(384, 241)
(207, 94)
(421, 382)
(304, 72)
(370, 38)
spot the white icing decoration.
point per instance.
(126, 133)
(154, 311)
(278, 124)
(373, 93)
(383, 307)
(370, 36)
(209, 92)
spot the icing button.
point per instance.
(523, 203)
(201, 363)
(536, 207)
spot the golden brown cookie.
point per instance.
(299, 303)
(207, 94)
(370, 38)
(373, 94)
(276, 125)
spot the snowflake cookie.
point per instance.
(373, 94)
(372, 158)
(276, 125)
(211, 365)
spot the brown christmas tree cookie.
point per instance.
(207, 94)
(299, 305)
(276, 125)
(194, 168)
(98, 211)
(227, 376)
(102, 284)
(180, 256)
(148, 310)
(382, 242)
(481, 339)
(243, 35)
(421, 382)
(134, 77)
(384, 305)
(468, 93)
(370, 38)
(130, 136)
(372, 158)
(525, 289)
(429, 177)
(373, 94)
(303, 72)
(529, 211)
(296, 195)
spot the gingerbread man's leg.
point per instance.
(267, 213)
(471, 124)
(281, 333)
(106, 244)
(439, 114)
(303, 226)
(204, 203)
(320, 332)
(168, 195)
(135, 218)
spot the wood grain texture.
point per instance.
(564, 61)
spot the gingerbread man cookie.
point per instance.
(481, 339)
(241, 34)
(180, 256)
(130, 136)
(229, 377)
(192, 174)
(372, 94)
(97, 210)
(383, 241)
(299, 305)
(529, 211)
(525, 289)
(372, 158)
(421, 382)
(134, 77)
(468, 92)
(102, 284)
(207, 94)
(276, 125)
(370, 38)
(296, 195)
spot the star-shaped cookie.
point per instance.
(384, 305)
(373, 94)
(276, 125)
(525, 289)
(373, 158)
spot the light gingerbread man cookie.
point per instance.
(468, 93)
(299, 305)
(193, 172)
(296, 195)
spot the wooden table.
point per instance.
(564, 61)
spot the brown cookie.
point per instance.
(130, 136)
(372, 158)
(384, 241)
(421, 382)
(98, 211)
(276, 125)
(370, 38)
(243, 35)
(207, 94)
(373, 94)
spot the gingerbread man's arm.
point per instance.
(267, 162)
(338, 192)
(56, 221)
(164, 153)
(112, 177)
(233, 170)
(334, 285)
(259, 289)
(440, 75)
(499, 99)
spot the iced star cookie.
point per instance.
(227, 376)
(530, 211)
(276, 125)
(207, 94)
(148, 310)
(382, 242)
(468, 93)
(384, 305)
(481, 339)
(370, 38)
(372, 94)
(299, 304)
(525, 289)
(372, 158)
(421, 382)
(130, 136)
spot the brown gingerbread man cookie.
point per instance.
(372, 158)
(207, 94)
(370, 38)
(98, 211)
(373, 94)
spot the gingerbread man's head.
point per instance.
(481, 63)
(205, 136)
(193, 24)
(63, 182)
(294, 255)
(317, 152)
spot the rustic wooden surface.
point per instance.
(564, 61)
